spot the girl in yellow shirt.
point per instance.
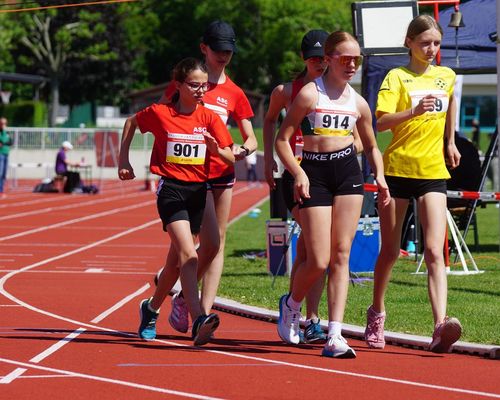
(416, 102)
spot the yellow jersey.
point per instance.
(417, 147)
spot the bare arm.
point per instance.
(278, 101)
(125, 170)
(372, 152)
(453, 155)
(248, 135)
(225, 153)
(390, 120)
(301, 105)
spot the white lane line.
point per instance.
(108, 380)
(246, 357)
(76, 220)
(13, 375)
(62, 271)
(121, 303)
(264, 360)
(65, 207)
(56, 346)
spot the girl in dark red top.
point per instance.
(186, 133)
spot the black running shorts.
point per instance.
(331, 174)
(179, 200)
(406, 188)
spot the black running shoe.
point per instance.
(203, 328)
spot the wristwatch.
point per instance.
(247, 151)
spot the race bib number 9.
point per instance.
(441, 100)
(186, 149)
(333, 122)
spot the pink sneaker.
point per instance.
(179, 316)
(445, 334)
(374, 332)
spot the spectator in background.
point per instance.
(5, 143)
(66, 180)
(476, 130)
(251, 164)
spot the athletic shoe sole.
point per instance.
(450, 333)
(206, 330)
(349, 353)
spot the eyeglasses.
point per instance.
(347, 60)
(198, 85)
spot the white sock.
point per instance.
(334, 328)
(151, 308)
(294, 305)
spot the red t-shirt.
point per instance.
(179, 149)
(226, 100)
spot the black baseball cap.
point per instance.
(219, 36)
(313, 43)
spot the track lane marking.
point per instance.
(75, 220)
(277, 362)
(65, 207)
(109, 380)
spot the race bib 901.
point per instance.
(186, 149)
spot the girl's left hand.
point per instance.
(384, 196)
(239, 153)
(453, 156)
(211, 143)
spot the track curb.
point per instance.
(357, 332)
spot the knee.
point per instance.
(187, 257)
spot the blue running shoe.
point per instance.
(314, 333)
(302, 339)
(147, 328)
(203, 328)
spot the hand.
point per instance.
(301, 187)
(239, 153)
(453, 156)
(125, 171)
(425, 104)
(212, 145)
(269, 168)
(384, 196)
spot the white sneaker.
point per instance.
(179, 315)
(337, 347)
(288, 322)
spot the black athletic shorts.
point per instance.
(331, 174)
(406, 188)
(222, 182)
(179, 200)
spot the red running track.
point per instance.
(73, 269)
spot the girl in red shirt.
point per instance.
(186, 135)
(226, 99)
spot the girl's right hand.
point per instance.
(125, 172)
(301, 187)
(425, 104)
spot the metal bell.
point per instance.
(456, 20)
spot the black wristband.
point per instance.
(247, 151)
